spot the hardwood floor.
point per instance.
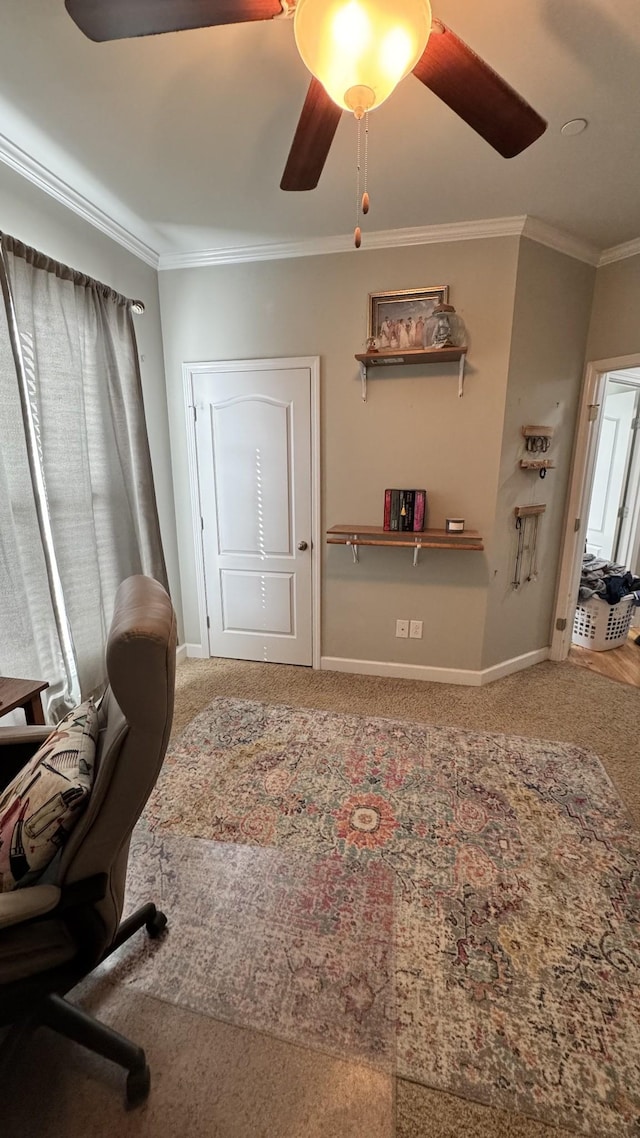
(622, 664)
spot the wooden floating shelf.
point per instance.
(537, 432)
(356, 536)
(411, 356)
(529, 511)
(537, 464)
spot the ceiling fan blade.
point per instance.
(476, 92)
(120, 19)
(316, 127)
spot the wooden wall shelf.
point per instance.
(529, 511)
(355, 536)
(537, 464)
(411, 356)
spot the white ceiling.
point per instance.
(183, 138)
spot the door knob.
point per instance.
(302, 545)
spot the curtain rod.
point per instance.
(42, 261)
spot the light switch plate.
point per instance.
(402, 628)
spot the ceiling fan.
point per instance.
(340, 41)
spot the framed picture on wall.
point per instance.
(397, 320)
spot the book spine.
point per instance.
(387, 509)
(395, 509)
(420, 509)
(407, 519)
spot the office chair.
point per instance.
(52, 935)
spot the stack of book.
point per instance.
(405, 510)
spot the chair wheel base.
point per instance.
(156, 925)
(138, 1086)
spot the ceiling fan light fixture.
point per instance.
(361, 49)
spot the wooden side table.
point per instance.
(22, 693)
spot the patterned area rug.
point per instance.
(464, 905)
(286, 943)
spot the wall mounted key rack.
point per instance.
(537, 442)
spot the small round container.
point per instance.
(454, 525)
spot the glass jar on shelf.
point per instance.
(445, 328)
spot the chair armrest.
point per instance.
(21, 905)
(19, 736)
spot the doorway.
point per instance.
(605, 496)
(613, 521)
(254, 468)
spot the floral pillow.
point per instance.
(41, 805)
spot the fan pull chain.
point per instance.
(365, 196)
(357, 236)
(362, 203)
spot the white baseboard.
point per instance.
(196, 652)
(466, 677)
(516, 664)
(400, 671)
(190, 652)
(463, 676)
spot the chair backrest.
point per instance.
(135, 717)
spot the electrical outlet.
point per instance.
(415, 630)
(402, 628)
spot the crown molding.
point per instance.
(42, 177)
(525, 226)
(343, 243)
(24, 164)
(562, 242)
(620, 252)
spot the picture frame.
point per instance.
(397, 320)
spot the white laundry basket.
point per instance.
(599, 626)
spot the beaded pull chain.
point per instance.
(362, 202)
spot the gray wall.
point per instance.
(550, 323)
(526, 309)
(413, 430)
(615, 319)
(29, 214)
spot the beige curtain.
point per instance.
(77, 502)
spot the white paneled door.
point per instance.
(253, 444)
(609, 478)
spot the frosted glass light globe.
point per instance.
(361, 49)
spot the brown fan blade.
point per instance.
(121, 19)
(316, 127)
(475, 92)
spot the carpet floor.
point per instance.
(209, 1080)
(224, 1081)
(463, 905)
(550, 701)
